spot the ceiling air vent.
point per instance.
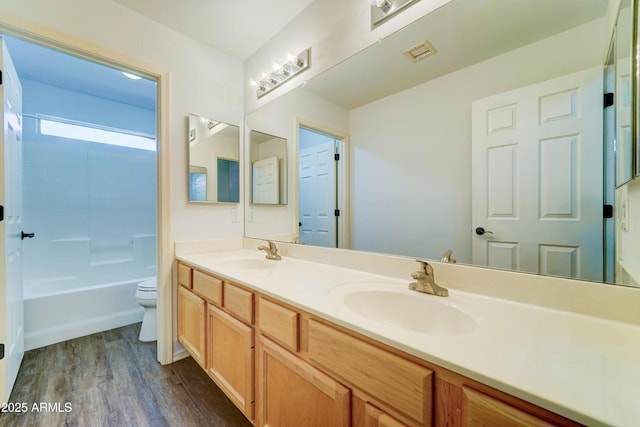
(420, 51)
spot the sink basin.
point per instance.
(249, 264)
(408, 310)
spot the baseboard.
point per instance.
(180, 354)
(68, 331)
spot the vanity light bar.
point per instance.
(382, 10)
(282, 73)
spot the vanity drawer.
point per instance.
(390, 379)
(238, 302)
(208, 287)
(279, 323)
(184, 275)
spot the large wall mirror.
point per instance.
(493, 147)
(214, 161)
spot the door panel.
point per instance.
(266, 181)
(537, 177)
(12, 314)
(318, 195)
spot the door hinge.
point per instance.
(607, 211)
(336, 212)
(0, 77)
(1, 212)
(1, 351)
(608, 99)
(336, 157)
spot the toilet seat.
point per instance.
(148, 285)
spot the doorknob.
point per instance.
(480, 231)
(24, 235)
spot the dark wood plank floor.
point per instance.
(112, 379)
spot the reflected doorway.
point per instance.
(321, 209)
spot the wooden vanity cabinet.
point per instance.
(461, 402)
(191, 324)
(230, 358)
(367, 415)
(293, 369)
(386, 380)
(214, 326)
(291, 392)
(185, 275)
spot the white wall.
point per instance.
(628, 239)
(204, 81)
(414, 147)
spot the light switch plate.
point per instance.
(234, 215)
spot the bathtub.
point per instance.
(61, 308)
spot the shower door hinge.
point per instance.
(336, 212)
(336, 157)
(608, 99)
(1, 212)
(1, 351)
(607, 211)
(0, 77)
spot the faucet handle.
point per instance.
(272, 245)
(447, 257)
(425, 267)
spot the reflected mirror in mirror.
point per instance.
(492, 147)
(214, 161)
(268, 157)
(624, 137)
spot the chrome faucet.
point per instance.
(447, 257)
(272, 250)
(426, 282)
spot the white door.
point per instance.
(11, 314)
(266, 181)
(537, 177)
(318, 195)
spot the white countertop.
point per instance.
(584, 368)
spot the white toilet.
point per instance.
(147, 296)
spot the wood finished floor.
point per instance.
(112, 379)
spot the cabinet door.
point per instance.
(184, 275)
(399, 384)
(479, 410)
(374, 417)
(230, 352)
(191, 323)
(292, 393)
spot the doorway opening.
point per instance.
(89, 185)
(322, 177)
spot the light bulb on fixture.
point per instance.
(281, 73)
(384, 5)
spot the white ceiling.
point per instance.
(237, 27)
(464, 32)
(55, 68)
